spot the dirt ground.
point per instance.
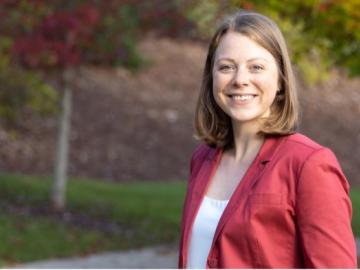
(131, 127)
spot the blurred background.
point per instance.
(97, 102)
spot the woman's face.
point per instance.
(245, 78)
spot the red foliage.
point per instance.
(56, 42)
(164, 17)
(325, 6)
(247, 5)
(39, 52)
(88, 14)
(57, 33)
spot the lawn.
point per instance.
(355, 198)
(100, 216)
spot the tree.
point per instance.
(55, 42)
(62, 36)
(321, 34)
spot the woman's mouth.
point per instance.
(242, 97)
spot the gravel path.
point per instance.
(155, 257)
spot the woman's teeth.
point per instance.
(242, 97)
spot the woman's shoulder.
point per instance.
(298, 140)
(303, 148)
(203, 151)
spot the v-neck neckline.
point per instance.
(218, 158)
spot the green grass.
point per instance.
(27, 239)
(148, 212)
(355, 198)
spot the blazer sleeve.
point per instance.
(324, 212)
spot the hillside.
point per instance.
(129, 127)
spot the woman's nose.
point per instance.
(241, 78)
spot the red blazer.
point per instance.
(290, 210)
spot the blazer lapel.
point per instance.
(252, 175)
(198, 189)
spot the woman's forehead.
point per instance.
(237, 46)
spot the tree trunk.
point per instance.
(60, 178)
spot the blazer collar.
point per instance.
(214, 154)
(265, 154)
(269, 148)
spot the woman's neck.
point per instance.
(247, 141)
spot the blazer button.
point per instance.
(213, 263)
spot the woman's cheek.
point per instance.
(268, 85)
(219, 82)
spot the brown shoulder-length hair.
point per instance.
(212, 125)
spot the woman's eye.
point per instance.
(226, 68)
(256, 68)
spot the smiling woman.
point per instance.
(245, 78)
(255, 49)
(260, 195)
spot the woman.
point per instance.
(260, 195)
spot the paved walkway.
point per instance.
(155, 257)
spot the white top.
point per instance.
(203, 231)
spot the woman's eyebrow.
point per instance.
(257, 58)
(225, 59)
(248, 60)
